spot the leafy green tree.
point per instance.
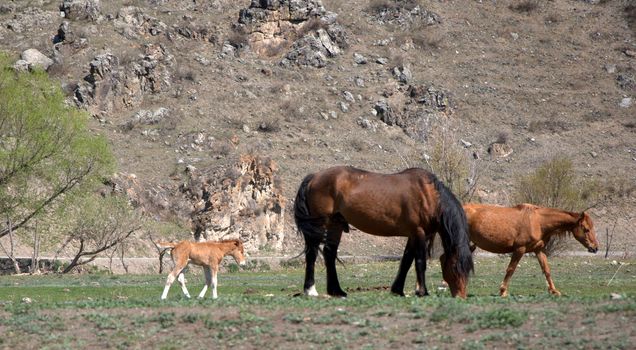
(96, 224)
(47, 151)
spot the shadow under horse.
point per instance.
(523, 229)
(412, 203)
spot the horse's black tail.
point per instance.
(454, 229)
(308, 226)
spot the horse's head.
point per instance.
(237, 252)
(456, 282)
(584, 233)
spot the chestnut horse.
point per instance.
(412, 203)
(205, 254)
(523, 229)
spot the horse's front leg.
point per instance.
(331, 252)
(419, 250)
(543, 261)
(512, 266)
(405, 264)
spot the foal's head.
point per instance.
(237, 252)
(584, 233)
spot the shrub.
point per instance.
(526, 6)
(452, 163)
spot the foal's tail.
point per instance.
(310, 227)
(165, 245)
(454, 229)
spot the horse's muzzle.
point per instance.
(592, 250)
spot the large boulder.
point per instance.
(33, 59)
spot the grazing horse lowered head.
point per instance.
(412, 203)
(205, 254)
(523, 229)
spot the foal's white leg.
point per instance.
(208, 281)
(214, 295)
(169, 282)
(181, 280)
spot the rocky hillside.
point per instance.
(215, 88)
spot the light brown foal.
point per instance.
(525, 228)
(205, 254)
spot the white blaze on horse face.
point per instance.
(311, 291)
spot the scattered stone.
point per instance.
(348, 96)
(514, 36)
(359, 59)
(344, 107)
(594, 154)
(630, 53)
(499, 150)
(26, 300)
(615, 296)
(610, 68)
(359, 82)
(381, 60)
(402, 74)
(466, 144)
(386, 114)
(626, 102)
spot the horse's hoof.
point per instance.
(556, 293)
(338, 294)
(398, 293)
(420, 293)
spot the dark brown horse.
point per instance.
(523, 229)
(412, 203)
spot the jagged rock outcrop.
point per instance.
(414, 109)
(131, 22)
(244, 202)
(404, 13)
(304, 29)
(110, 85)
(29, 19)
(81, 9)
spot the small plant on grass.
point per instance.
(498, 318)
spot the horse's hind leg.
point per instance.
(171, 277)
(543, 261)
(181, 280)
(311, 253)
(330, 252)
(208, 281)
(512, 266)
(405, 264)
